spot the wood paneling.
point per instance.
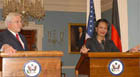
(96, 64)
(33, 54)
(113, 54)
(99, 67)
(50, 61)
(50, 66)
(30, 36)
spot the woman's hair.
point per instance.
(97, 24)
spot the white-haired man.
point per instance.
(10, 39)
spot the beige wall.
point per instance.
(70, 5)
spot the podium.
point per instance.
(31, 64)
(100, 64)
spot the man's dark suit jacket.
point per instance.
(95, 46)
(81, 41)
(6, 37)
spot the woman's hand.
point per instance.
(84, 49)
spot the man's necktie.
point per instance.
(17, 36)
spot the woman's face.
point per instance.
(101, 29)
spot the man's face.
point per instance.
(80, 29)
(15, 24)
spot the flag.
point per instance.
(91, 20)
(115, 28)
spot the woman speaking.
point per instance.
(100, 42)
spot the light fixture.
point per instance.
(27, 8)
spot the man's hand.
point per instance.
(84, 49)
(135, 49)
(8, 49)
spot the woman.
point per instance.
(100, 42)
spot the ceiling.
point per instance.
(106, 4)
(70, 5)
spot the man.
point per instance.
(81, 37)
(10, 39)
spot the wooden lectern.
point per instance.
(96, 64)
(14, 65)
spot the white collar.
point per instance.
(12, 32)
